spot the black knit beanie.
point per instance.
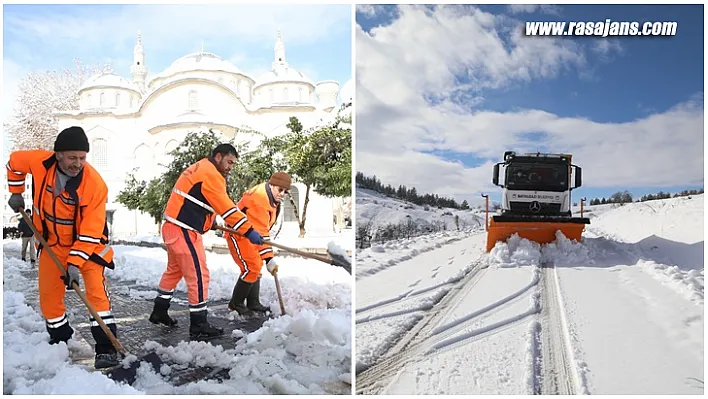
(72, 139)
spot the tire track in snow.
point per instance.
(451, 328)
(410, 255)
(560, 374)
(373, 379)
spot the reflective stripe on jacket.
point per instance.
(200, 194)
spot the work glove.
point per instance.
(72, 275)
(16, 202)
(272, 266)
(254, 237)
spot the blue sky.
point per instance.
(42, 37)
(630, 109)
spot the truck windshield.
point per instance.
(541, 177)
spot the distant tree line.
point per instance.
(624, 197)
(367, 234)
(407, 194)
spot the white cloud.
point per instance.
(421, 54)
(605, 47)
(531, 8)
(370, 10)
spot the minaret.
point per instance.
(279, 60)
(139, 71)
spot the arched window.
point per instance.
(102, 99)
(272, 95)
(193, 100)
(288, 213)
(300, 95)
(88, 101)
(99, 154)
(285, 95)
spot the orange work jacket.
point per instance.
(262, 210)
(76, 217)
(199, 194)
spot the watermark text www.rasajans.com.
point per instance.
(601, 28)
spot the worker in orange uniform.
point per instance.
(199, 194)
(69, 198)
(262, 206)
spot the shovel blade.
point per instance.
(341, 261)
(130, 374)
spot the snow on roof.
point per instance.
(283, 74)
(107, 80)
(199, 62)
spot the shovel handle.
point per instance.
(280, 294)
(75, 286)
(284, 248)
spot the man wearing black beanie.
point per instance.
(69, 204)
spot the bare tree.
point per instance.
(41, 93)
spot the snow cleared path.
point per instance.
(307, 351)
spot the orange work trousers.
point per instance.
(186, 259)
(246, 257)
(52, 288)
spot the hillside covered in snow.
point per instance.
(383, 218)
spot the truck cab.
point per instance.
(537, 184)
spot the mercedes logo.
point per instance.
(535, 206)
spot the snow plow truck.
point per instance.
(536, 198)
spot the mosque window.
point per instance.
(99, 150)
(301, 95)
(193, 100)
(88, 101)
(102, 99)
(285, 94)
(117, 99)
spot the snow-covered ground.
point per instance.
(307, 351)
(622, 310)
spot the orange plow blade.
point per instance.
(540, 231)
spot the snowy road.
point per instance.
(608, 316)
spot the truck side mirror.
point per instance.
(578, 177)
(495, 177)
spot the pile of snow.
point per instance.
(307, 351)
(518, 252)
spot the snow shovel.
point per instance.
(334, 259)
(117, 373)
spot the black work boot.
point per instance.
(159, 313)
(253, 298)
(106, 355)
(241, 292)
(200, 328)
(106, 360)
